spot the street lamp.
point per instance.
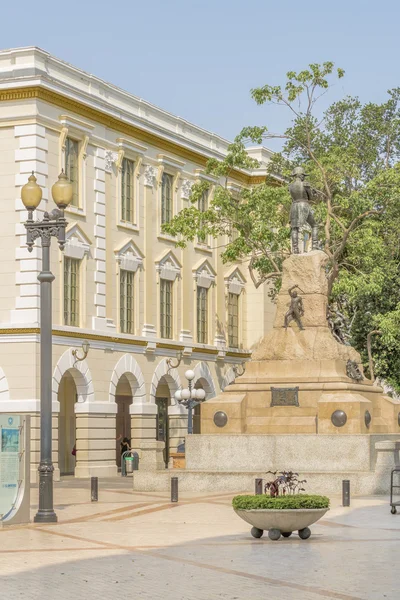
(52, 225)
(190, 397)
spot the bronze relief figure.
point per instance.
(296, 308)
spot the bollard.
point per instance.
(345, 492)
(258, 486)
(174, 489)
(94, 489)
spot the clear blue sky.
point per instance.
(199, 59)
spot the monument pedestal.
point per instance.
(296, 378)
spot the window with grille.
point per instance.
(202, 328)
(127, 190)
(202, 206)
(233, 320)
(72, 168)
(71, 291)
(166, 308)
(126, 319)
(166, 198)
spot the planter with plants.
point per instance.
(282, 509)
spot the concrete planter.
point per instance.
(281, 522)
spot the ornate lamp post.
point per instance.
(52, 225)
(190, 397)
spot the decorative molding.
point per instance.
(131, 146)
(129, 257)
(129, 367)
(176, 181)
(81, 374)
(110, 158)
(84, 145)
(203, 176)
(63, 137)
(235, 282)
(168, 267)
(77, 243)
(61, 101)
(159, 175)
(204, 275)
(150, 175)
(82, 127)
(202, 371)
(138, 166)
(171, 162)
(171, 376)
(186, 189)
(18, 335)
(118, 162)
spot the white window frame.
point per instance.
(129, 258)
(173, 167)
(77, 246)
(235, 284)
(207, 319)
(79, 131)
(205, 277)
(168, 267)
(130, 150)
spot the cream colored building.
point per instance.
(120, 283)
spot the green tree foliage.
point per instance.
(351, 153)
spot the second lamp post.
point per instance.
(190, 397)
(52, 225)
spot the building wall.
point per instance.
(33, 132)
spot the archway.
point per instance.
(67, 396)
(123, 399)
(164, 384)
(229, 378)
(163, 402)
(72, 384)
(127, 387)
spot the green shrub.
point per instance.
(280, 502)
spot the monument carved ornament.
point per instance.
(110, 158)
(150, 174)
(186, 189)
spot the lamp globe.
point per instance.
(31, 193)
(189, 374)
(62, 191)
(200, 394)
(185, 394)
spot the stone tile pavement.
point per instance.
(138, 545)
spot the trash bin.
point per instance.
(135, 457)
(129, 464)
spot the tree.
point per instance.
(351, 154)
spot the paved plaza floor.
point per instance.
(140, 546)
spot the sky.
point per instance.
(200, 59)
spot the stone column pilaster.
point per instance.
(95, 444)
(144, 436)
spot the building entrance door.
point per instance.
(162, 426)
(66, 425)
(123, 423)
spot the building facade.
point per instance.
(121, 284)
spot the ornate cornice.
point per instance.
(118, 340)
(88, 112)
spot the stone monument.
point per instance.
(301, 375)
(302, 403)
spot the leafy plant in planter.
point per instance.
(286, 482)
(282, 508)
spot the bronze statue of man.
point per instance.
(296, 309)
(300, 212)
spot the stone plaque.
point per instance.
(284, 396)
